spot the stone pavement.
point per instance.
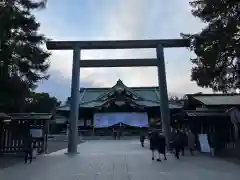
(119, 160)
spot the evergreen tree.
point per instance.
(41, 103)
(23, 60)
(217, 45)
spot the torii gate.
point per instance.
(77, 46)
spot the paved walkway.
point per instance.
(119, 160)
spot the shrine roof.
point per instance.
(31, 116)
(147, 103)
(143, 96)
(217, 99)
(4, 116)
(90, 94)
(206, 113)
(143, 93)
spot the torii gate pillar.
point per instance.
(74, 103)
(164, 106)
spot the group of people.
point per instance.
(117, 134)
(179, 140)
(157, 143)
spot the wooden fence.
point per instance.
(16, 132)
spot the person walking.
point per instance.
(162, 146)
(34, 149)
(172, 139)
(154, 144)
(114, 134)
(213, 142)
(142, 139)
(28, 150)
(179, 144)
(191, 142)
(184, 141)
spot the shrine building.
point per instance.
(132, 108)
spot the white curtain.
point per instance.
(109, 119)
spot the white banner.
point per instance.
(36, 133)
(204, 144)
(110, 119)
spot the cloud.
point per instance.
(60, 86)
(121, 20)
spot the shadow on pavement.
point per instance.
(53, 146)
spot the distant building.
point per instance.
(211, 114)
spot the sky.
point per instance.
(118, 20)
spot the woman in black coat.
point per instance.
(154, 144)
(162, 146)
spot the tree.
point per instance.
(217, 45)
(67, 102)
(23, 61)
(174, 98)
(41, 103)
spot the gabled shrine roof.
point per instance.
(217, 99)
(119, 86)
(90, 94)
(99, 103)
(146, 93)
(145, 96)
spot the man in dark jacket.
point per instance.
(172, 139)
(213, 142)
(184, 141)
(114, 133)
(179, 143)
(142, 138)
(28, 150)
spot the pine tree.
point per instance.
(217, 45)
(41, 103)
(23, 60)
